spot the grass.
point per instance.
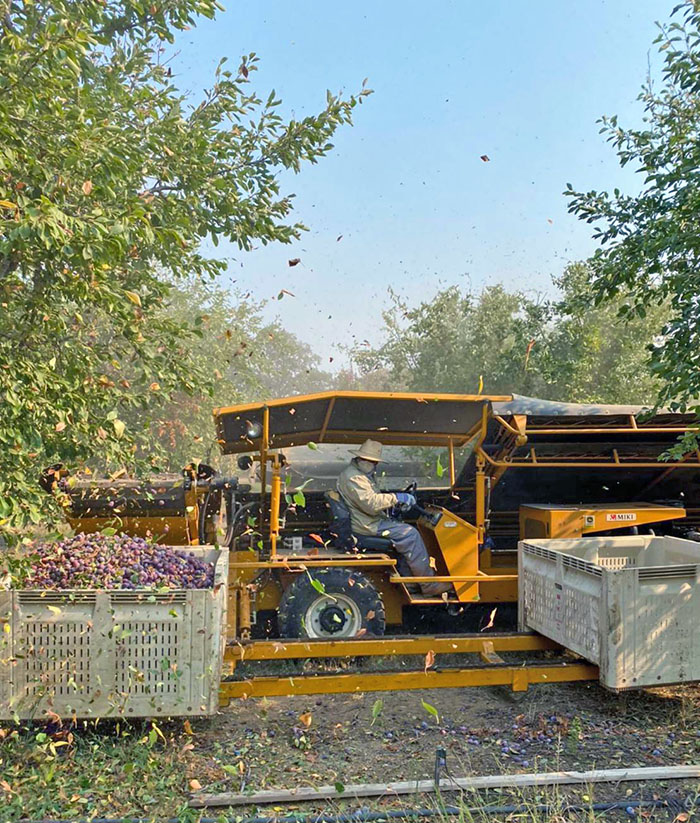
(97, 770)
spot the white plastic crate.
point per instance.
(89, 653)
(629, 604)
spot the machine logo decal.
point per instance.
(618, 516)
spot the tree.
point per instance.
(465, 343)
(650, 241)
(503, 342)
(594, 356)
(110, 179)
(243, 358)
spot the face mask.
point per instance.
(366, 466)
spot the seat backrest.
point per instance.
(340, 525)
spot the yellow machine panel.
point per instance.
(454, 541)
(538, 521)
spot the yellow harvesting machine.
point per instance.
(514, 467)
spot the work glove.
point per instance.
(406, 499)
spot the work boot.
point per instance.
(435, 589)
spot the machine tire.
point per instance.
(348, 605)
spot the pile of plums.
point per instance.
(98, 561)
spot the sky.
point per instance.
(415, 207)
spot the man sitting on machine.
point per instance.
(359, 489)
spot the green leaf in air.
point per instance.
(320, 588)
(377, 710)
(431, 710)
(439, 468)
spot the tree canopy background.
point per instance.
(116, 340)
(110, 181)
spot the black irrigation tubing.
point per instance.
(367, 816)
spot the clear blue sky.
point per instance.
(522, 82)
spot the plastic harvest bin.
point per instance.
(629, 604)
(92, 653)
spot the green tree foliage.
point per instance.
(650, 241)
(110, 180)
(594, 355)
(243, 357)
(505, 342)
(461, 342)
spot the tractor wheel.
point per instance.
(332, 604)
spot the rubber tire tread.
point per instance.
(301, 594)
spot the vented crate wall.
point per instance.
(629, 604)
(88, 653)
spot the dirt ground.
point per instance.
(115, 769)
(343, 739)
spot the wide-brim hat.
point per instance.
(369, 450)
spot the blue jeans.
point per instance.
(409, 545)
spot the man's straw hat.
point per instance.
(369, 450)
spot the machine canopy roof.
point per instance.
(394, 418)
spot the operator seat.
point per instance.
(341, 528)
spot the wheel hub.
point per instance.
(333, 615)
(332, 619)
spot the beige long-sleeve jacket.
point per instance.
(365, 499)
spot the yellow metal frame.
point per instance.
(491, 670)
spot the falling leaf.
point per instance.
(135, 299)
(431, 710)
(530, 347)
(294, 261)
(377, 710)
(154, 387)
(491, 619)
(317, 538)
(371, 614)
(195, 785)
(429, 660)
(217, 374)
(481, 384)
(339, 787)
(187, 726)
(320, 588)
(339, 238)
(59, 427)
(87, 187)
(306, 719)
(283, 292)
(119, 426)
(439, 468)
(312, 446)
(550, 221)
(54, 610)
(485, 158)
